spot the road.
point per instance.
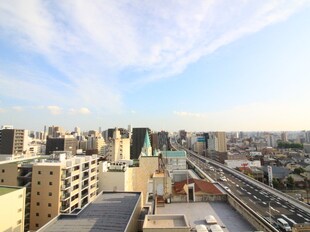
(263, 202)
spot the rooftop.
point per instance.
(109, 212)
(165, 221)
(170, 154)
(196, 212)
(6, 189)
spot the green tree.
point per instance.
(275, 183)
(298, 170)
(290, 182)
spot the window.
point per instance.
(39, 182)
(2, 180)
(37, 225)
(50, 193)
(49, 204)
(51, 183)
(39, 172)
(19, 210)
(3, 171)
(38, 203)
(51, 172)
(37, 214)
(38, 193)
(19, 221)
(49, 215)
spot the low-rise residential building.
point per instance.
(12, 213)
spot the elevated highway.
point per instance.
(267, 202)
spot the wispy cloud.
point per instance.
(88, 45)
(189, 114)
(55, 110)
(17, 108)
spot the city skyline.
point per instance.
(212, 66)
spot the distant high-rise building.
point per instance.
(13, 142)
(66, 143)
(217, 142)
(118, 148)
(307, 136)
(221, 139)
(77, 130)
(284, 136)
(138, 136)
(55, 131)
(182, 134)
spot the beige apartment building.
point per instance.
(58, 184)
(12, 213)
(118, 148)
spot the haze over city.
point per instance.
(212, 65)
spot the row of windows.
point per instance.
(40, 172)
(48, 215)
(48, 204)
(50, 193)
(39, 183)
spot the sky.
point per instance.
(210, 65)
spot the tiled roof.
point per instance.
(200, 186)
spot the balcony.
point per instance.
(85, 185)
(66, 175)
(84, 195)
(85, 177)
(65, 186)
(65, 196)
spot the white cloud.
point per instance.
(84, 110)
(17, 108)
(56, 110)
(189, 114)
(276, 115)
(90, 44)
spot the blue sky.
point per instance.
(212, 65)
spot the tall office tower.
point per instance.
(55, 185)
(206, 135)
(271, 140)
(129, 131)
(119, 148)
(182, 134)
(212, 142)
(307, 136)
(77, 130)
(138, 136)
(95, 144)
(163, 140)
(284, 136)
(55, 131)
(155, 141)
(13, 142)
(221, 139)
(66, 143)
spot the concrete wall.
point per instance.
(8, 174)
(45, 194)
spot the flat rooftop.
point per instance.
(195, 212)
(5, 190)
(109, 212)
(165, 221)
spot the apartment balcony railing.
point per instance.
(65, 196)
